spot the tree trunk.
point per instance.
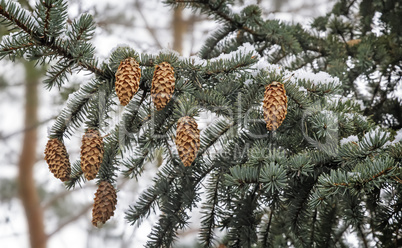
(27, 188)
(179, 29)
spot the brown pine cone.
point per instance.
(163, 83)
(187, 139)
(104, 203)
(56, 157)
(128, 77)
(91, 153)
(275, 105)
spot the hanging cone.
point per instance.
(187, 139)
(127, 80)
(104, 203)
(354, 42)
(275, 105)
(56, 157)
(162, 85)
(91, 153)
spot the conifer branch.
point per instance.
(60, 50)
(209, 212)
(57, 73)
(358, 185)
(265, 240)
(313, 227)
(133, 110)
(56, 45)
(46, 19)
(219, 14)
(16, 20)
(298, 205)
(362, 236)
(324, 148)
(73, 114)
(18, 47)
(148, 198)
(76, 177)
(212, 42)
(218, 133)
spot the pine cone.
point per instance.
(162, 85)
(127, 80)
(91, 153)
(187, 139)
(104, 203)
(354, 42)
(275, 105)
(56, 157)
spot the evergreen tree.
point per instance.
(300, 170)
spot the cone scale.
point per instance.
(128, 77)
(187, 139)
(275, 105)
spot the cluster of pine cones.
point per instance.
(128, 77)
(127, 84)
(91, 158)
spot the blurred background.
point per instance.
(32, 201)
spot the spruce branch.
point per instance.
(239, 61)
(134, 165)
(15, 46)
(174, 204)
(360, 180)
(148, 199)
(82, 29)
(74, 113)
(18, 16)
(52, 17)
(213, 134)
(25, 22)
(62, 51)
(165, 178)
(305, 182)
(108, 168)
(265, 242)
(297, 205)
(76, 177)
(57, 74)
(173, 207)
(219, 11)
(208, 50)
(135, 110)
(242, 231)
(209, 211)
